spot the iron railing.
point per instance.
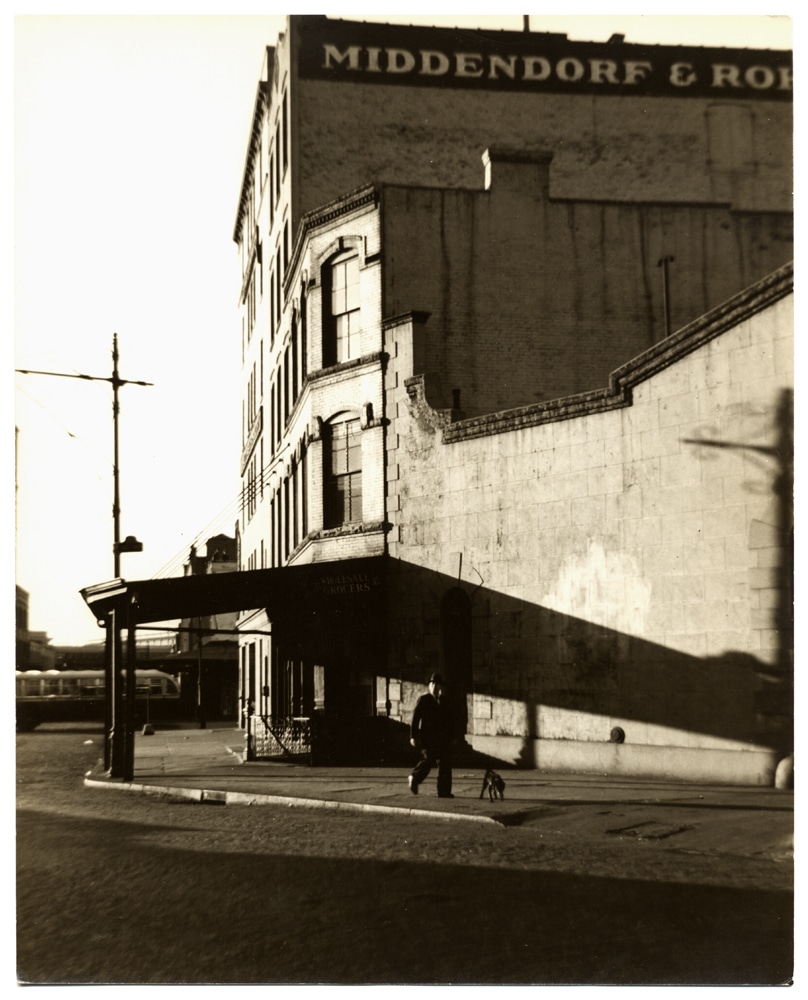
(279, 737)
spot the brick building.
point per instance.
(516, 353)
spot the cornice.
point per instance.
(262, 100)
(368, 194)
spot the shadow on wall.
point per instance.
(535, 657)
(554, 660)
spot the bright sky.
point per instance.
(130, 138)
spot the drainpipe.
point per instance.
(664, 262)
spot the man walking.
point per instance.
(431, 734)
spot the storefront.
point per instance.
(321, 659)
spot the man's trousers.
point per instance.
(430, 757)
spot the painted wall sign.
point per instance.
(418, 56)
(349, 583)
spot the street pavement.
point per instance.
(207, 766)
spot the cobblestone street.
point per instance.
(134, 889)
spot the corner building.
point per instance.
(465, 258)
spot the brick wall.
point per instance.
(622, 148)
(531, 298)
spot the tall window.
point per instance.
(342, 489)
(286, 394)
(278, 285)
(285, 130)
(271, 190)
(303, 335)
(295, 348)
(345, 306)
(278, 161)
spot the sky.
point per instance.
(129, 139)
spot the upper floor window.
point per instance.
(342, 488)
(271, 192)
(285, 130)
(344, 307)
(278, 161)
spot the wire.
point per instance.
(223, 519)
(70, 434)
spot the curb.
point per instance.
(214, 797)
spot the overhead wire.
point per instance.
(223, 520)
(75, 437)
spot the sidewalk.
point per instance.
(206, 766)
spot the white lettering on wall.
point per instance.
(506, 66)
(603, 71)
(434, 63)
(536, 68)
(373, 60)
(399, 60)
(569, 69)
(468, 64)
(529, 69)
(760, 77)
(682, 75)
(333, 53)
(636, 71)
(724, 74)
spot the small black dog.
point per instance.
(495, 785)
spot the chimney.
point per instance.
(517, 170)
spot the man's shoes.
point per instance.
(445, 795)
(413, 785)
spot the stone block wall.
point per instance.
(625, 554)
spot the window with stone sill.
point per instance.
(342, 333)
(342, 486)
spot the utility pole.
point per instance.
(119, 715)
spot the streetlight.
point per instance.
(119, 744)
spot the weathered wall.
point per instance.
(625, 142)
(625, 148)
(626, 566)
(532, 298)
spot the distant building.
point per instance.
(152, 651)
(33, 649)
(207, 659)
(21, 603)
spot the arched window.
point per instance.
(342, 487)
(342, 328)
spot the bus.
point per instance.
(80, 696)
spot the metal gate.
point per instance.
(279, 736)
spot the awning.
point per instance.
(303, 593)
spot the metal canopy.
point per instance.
(311, 589)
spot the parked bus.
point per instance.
(80, 696)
